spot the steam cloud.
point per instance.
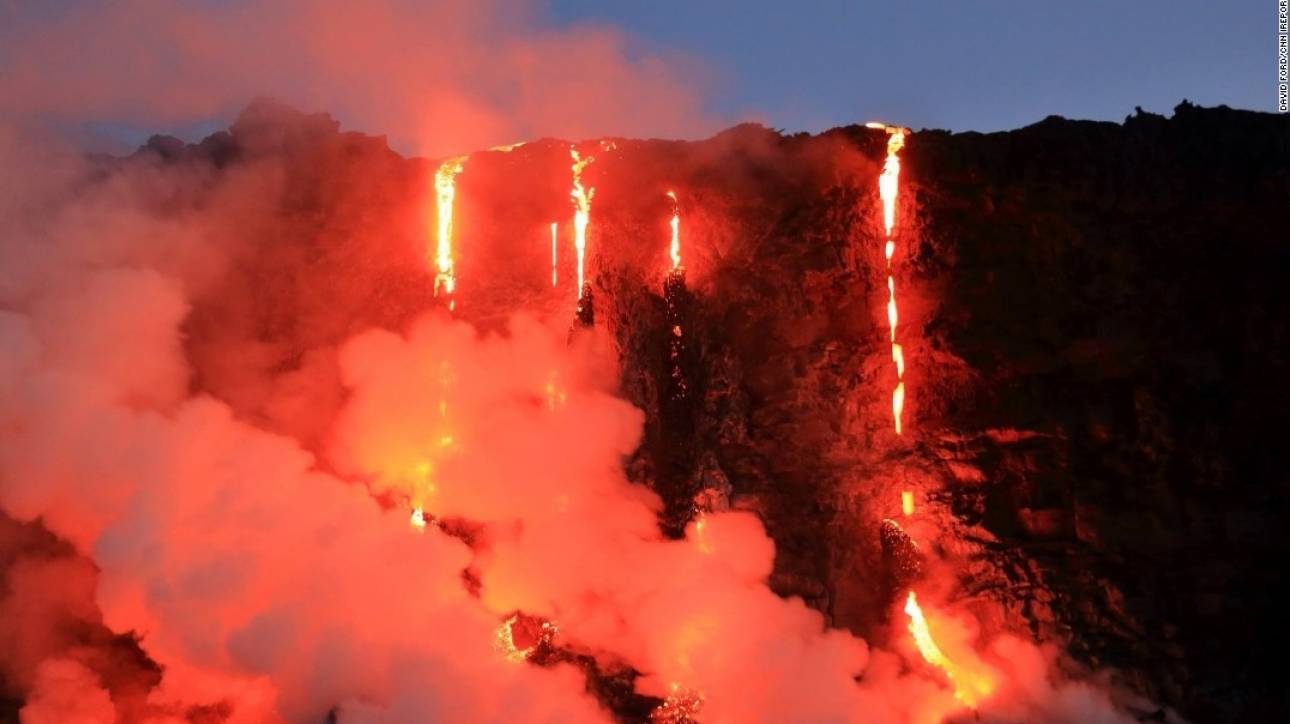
(440, 77)
(173, 483)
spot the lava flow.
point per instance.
(682, 706)
(888, 187)
(969, 687)
(675, 249)
(445, 186)
(555, 258)
(582, 211)
(534, 630)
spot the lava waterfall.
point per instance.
(879, 424)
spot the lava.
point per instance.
(504, 637)
(445, 186)
(969, 687)
(418, 519)
(675, 249)
(888, 188)
(681, 706)
(582, 211)
(907, 502)
(555, 258)
(504, 642)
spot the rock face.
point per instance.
(1093, 318)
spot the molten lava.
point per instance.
(555, 258)
(888, 188)
(504, 642)
(681, 706)
(675, 249)
(969, 687)
(889, 181)
(418, 520)
(504, 637)
(907, 502)
(445, 186)
(582, 211)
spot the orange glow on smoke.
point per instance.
(888, 188)
(445, 186)
(701, 535)
(676, 231)
(555, 258)
(907, 502)
(582, 210)
(969, 687)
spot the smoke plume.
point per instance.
(438, 77)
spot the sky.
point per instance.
(449, 76)
(984, 65)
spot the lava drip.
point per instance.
(888, 188)
(585, 314)
(555, 258)
(445, 186)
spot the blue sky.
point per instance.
(963, 65)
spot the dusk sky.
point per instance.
(959, 65)
(454, 75)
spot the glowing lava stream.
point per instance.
(682, 705)
(888, 188)
(582, 210)
(675, 249)
(555, 258)
(445, 187)
(969, 687)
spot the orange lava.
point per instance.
(582, 210)
(504, 642)
(681, 705)
(888, 188)
(504, 638)
(417, 520)
(970, 687)
(675, 249)
(907, 502)
(445, 186)
(555, 258)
